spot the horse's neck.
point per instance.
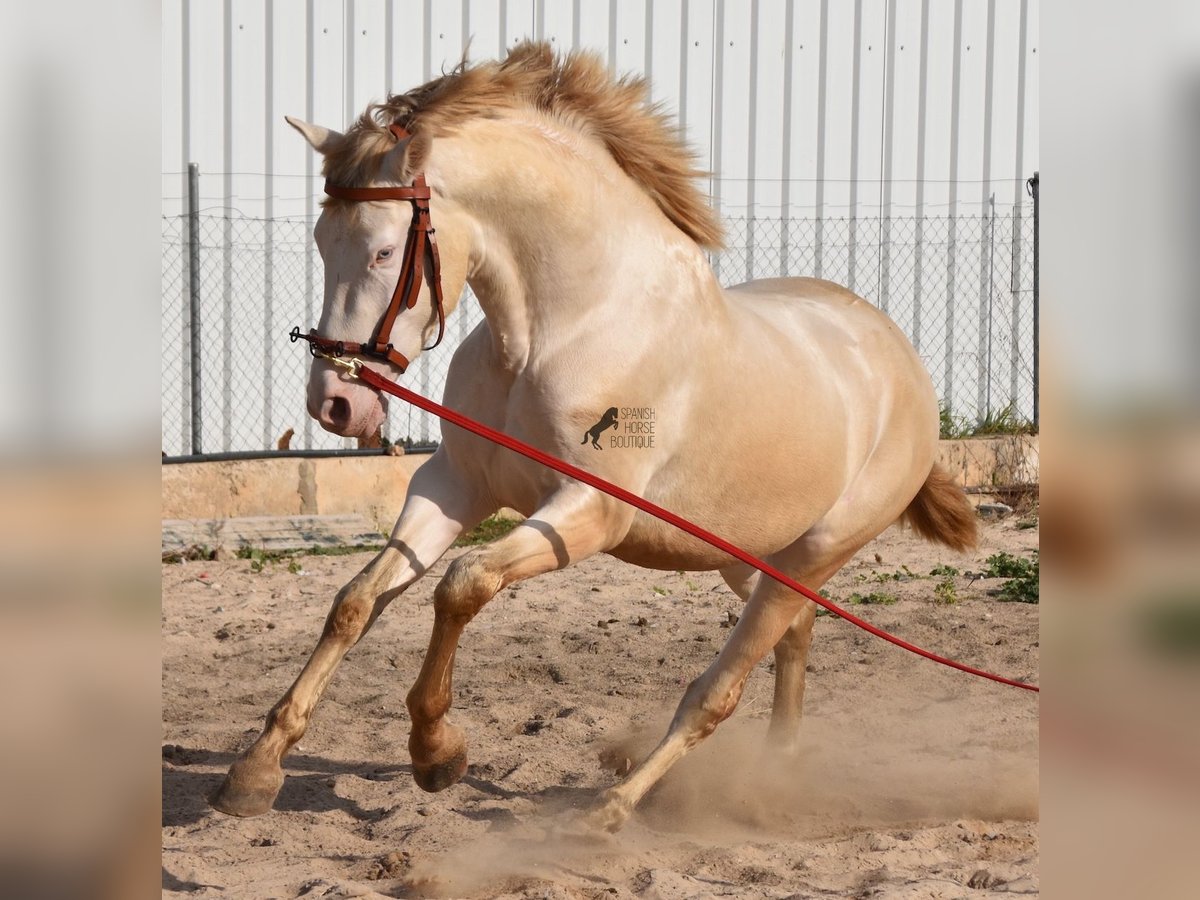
(583, 254)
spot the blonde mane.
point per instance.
(576, 89)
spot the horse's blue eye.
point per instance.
(384, 254)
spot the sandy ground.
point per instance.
(914, 780)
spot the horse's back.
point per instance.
(785, 288)
(805, 297)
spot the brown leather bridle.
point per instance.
(420, 245)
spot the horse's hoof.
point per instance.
(439, 776)
(247, 790)
(610, 814)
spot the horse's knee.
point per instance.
(351, 613)
(468, 584)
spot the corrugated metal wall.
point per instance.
(847, 113)
(812, 106)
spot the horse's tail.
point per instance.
(941, 512)
(585, 437)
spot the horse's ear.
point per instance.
(319, 138)
(408, 157)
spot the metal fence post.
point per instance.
(1034, 188)
(194, 372)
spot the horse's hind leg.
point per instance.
(576, 523)
(431, 520)
(791, 657)
(712, 698)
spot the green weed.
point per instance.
(945, 593)
(1005, 565)
(488, 530)
(1022, 574)
(1003, 421)
(875, 598)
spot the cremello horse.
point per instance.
(791, 417)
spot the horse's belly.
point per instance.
(653, 544)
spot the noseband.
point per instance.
(421, 245)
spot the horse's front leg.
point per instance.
(435, 512)
(576, 523)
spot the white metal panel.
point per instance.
(628, 23)
(804, 138)
(518, 21)
(593, 17)
(906, 107)
(764, 184)
(940, 57)
(407, 33)
(838, 35)
(731, 132)
(360, 49)
(174, 112)
(366, 53)
(205, 101)
(872, 40)
(248, 116)
(289, 88)
(557, 22)
(482, 23)
(445, 36)
(972, 107)
(696, 66)
(1032, 95)
(664, 46)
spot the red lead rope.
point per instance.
(377, 381)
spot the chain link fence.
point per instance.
(961, 287)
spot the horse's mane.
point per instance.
(576, 89)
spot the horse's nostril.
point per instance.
(339, 411)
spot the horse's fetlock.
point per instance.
(287, 720)
(422, 707)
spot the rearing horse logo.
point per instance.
(607, 421)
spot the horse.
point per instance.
(607, 421)
(790, 416)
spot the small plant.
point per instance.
(1005, 565)
(1022, 590)
(945, 593)
(294, 566)
(904, 573)
(486, 531)
(339, 549)
(943, 570)
(1003, 421)
(875, 598)
(950, 426)
(194, 552)
(1023, 574)
(662, 592)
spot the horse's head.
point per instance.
(362, 244)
